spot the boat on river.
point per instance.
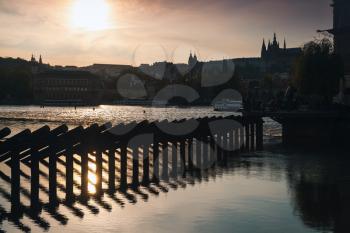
(228, 105)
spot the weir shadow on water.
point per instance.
(102, 166)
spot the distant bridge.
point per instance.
(326, 128)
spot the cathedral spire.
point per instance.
(40, 60)
(264, 45)
(275, 43)
(192, 60)
(285, 44)
(32, 59)
(263, 49)
(195, 58)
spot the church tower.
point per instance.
(275, 43)
(32, 59)
(192, 60)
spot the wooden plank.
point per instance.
(12, 142)
(4, 132)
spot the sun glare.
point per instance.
(90, 15)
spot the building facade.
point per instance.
(67, 88)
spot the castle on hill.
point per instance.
(276, 56)
(192, 60)
(34, 61)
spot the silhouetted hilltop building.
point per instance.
(67, 87)
(192, 60)
(162, 71)
(38, 65)
(277, 58)
(32, 59)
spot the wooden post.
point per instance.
(225, 144)
(190, 154)
(225, 147)
(146, 177)
(84, 173)
(247, 136)
(53, 177)
(236, 144)
(69, 173)
(242, 138)
(174, 160)
(98, 172)
(260, 134)
(34, 180)
(155, 177)
(252, 136)
(123, 166)
(111, 170)
(15, 182)
(230, 144)
(135, 165)
(199, 153)
(214, 150)
(183, 157)
(219, 147)
(165, 170)
(205, 152)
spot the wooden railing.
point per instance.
(125, 156)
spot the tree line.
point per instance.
(15, 81)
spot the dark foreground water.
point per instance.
(276, 190)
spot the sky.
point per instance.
(83, 32)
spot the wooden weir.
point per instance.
(121, 158)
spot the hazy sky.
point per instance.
(82, 32)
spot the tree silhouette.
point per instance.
(318, 70)
(15, 80)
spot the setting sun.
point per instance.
(90, 15)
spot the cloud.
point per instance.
(6, 8)
(231, 27)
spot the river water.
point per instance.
(273, 191)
